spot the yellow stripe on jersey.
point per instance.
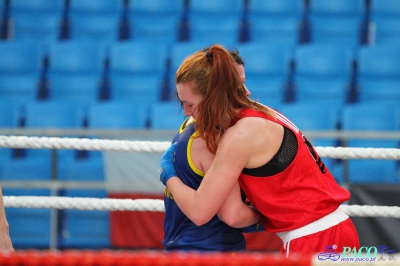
(185, 124)
(189, 156)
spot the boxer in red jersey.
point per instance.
(277, 168)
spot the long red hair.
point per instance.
(216, 79)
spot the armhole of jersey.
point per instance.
(189, 156)
(185, 124)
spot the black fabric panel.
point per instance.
(377, 231)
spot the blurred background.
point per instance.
(105, 69)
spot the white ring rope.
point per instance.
(155, 205)
(82, 144)
(161, 146)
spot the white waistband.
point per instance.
(321, 224)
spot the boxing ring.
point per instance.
(123, 257)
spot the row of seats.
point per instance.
(77, 229)
(371, 117)
(352, 21)
(142, 72)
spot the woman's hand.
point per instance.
(167, 168)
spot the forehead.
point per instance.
(240, 69)
(185, 92)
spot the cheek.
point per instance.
(194, 114)
(186, 111)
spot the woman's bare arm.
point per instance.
(5, 240)
(201, 205)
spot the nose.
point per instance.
(248, 93)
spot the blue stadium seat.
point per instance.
(385, 16)
(138, 58)
(101, 28)
(167, 115)
(19, 88)
(10, 114)
(82, 89)
(221, 30)
(76, 70)
(20, 57)
(37, 6)
(276, 20)
(323, 72)
(156, 8)
(84, 170)
(157, 20)
(116, 115)
(149, 29)
(140, 90)
(53, 114)
(79, 57)
(37, 27)
(27, 169)
(215, 21)
(266, 29)
(95, 20)
(387, 29)
(279, 8)
(85, 229)
(329, 90)
(334, 30)
(20, 69)
(137, 70)
(308, 117)
(337, 21)
(29, 228)
(38, 21)
(267, 66)
(379, 90)
(37, 163)
(385, 7)
(216, 8)
(379, 72)
(373, 116)
(91, 7)
(380, 61)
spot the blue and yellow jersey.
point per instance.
(180, 233)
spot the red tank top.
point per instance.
(300, 194)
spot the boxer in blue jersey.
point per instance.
(191, 163)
